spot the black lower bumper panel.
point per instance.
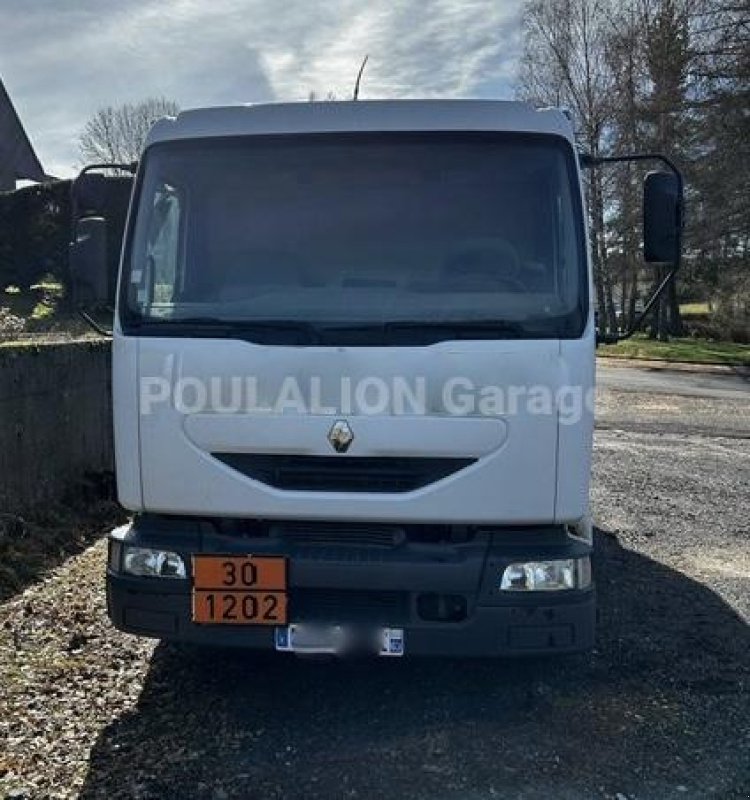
(400, 588)
(489, 631)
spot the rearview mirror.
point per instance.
(94, 194)
(88, 262)
(89, 193)
(662, 217)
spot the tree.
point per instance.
(565, 64)
(720, 210)
(650, 75)
(626, 61)
(115, 134)
(667, 50)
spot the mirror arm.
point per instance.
(131, 167)
(587, 161)
(92, 323)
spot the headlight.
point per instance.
(547, 576)
(150, 563)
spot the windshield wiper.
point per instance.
(261, 331)
(419, 332)
(289, 332)
(461, 329)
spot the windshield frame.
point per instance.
(133, 323)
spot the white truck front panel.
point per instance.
(513, 480)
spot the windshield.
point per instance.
(473, 234)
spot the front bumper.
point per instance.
(371, 587)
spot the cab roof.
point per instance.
(361, 116)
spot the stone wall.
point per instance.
(55, 421)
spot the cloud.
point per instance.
(444, 48)
(62, 61)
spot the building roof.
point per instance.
(362, 115)
(17, 156)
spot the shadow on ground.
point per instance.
(658, 710)
(31, 546)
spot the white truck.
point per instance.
(353, 372)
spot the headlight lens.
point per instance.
(547, 576)
(147, 562)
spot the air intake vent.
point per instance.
(352, 534)
(335, 605)
(343, 473)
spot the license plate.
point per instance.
(239, 590)
(337, 639)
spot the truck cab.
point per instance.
(353, 373)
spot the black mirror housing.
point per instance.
(94, 194)
(89, 192)
(88, 262)
(662, 217)
(99, 205)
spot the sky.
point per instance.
(61, 60)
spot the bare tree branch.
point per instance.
(116, 134)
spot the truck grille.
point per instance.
(316, 534)
(343, 473)
(337, 534)
(343, 605)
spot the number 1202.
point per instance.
(254, 608)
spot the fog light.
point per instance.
(150, 563)
(547, 576)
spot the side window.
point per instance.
(566, 241)
(163, 247)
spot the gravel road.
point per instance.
(660, 710)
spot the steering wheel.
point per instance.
(494, 260)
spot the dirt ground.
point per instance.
(661, 708)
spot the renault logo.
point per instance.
(340, 436)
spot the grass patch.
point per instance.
(38, 314)
(37, 308)
(42, 311)
(50, 287)
(20, 304)
(695, 309)
(695, 351)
